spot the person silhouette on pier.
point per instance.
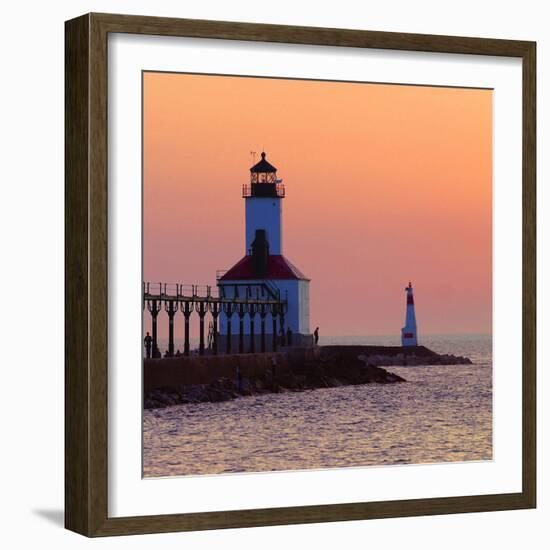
(148, 341)
(288, 337)
(316, 336)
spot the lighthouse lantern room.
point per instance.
(263, 270)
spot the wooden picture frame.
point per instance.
(86, 223)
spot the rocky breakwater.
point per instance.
(221, 378)
(398, 356)
(301, 370)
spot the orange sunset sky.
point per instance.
(384, 184)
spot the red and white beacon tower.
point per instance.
(408, 332)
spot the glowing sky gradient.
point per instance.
(384, 184)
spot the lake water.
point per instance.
(442, 414)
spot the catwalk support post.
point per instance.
(228, 309)
(187, 309)
(252, 316)
(241, 312)
(215, 311)
(262, 310)
(202, 309)
(171, 307)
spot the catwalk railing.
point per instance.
(250, 300)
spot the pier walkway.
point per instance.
(247, 300)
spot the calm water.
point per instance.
(442, 413)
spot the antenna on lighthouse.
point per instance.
(253, 153)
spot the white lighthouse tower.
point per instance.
(263, 270)
(408, 332)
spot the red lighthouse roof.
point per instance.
(278, 267)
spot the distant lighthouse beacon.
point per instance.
(408, 332)
(263, 271)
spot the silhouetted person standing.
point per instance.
(288, 337)
(148, 341)
(316, 336)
